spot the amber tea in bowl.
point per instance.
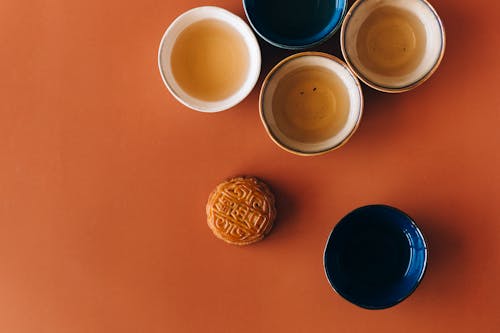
(215, 80)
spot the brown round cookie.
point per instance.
(241, 210)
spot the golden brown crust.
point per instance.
(241, 210)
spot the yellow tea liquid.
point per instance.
(391, 41)
(310, 104)
(210, 60)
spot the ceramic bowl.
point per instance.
(333, 65)
(168, 41)
(426, 65)
(375, 257)
(295, 25)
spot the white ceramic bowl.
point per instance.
(168, 41)
(433, 53)
(292, 63)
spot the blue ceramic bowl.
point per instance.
(295, 24)
(375, 257)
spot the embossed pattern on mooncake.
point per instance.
(241, 210)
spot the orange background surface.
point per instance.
(104, 179)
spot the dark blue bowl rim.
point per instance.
(417, 282)
(299, 47)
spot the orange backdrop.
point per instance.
(104, 179)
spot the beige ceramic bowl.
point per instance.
(432, 54)
(336, 67)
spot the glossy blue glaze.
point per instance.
(402, 265)
(295, 24)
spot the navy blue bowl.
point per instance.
(375, 257)
(295, 24)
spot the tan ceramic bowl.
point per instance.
(432, 54)
(336, 67)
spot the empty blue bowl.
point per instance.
(375, 256)
(295, 24)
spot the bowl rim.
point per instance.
(417, 282)
(303, 46)
(382, 88)
(268, 78)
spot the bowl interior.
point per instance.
(432, 53)
(291, 64)
(295, 24)
(375, 257)
(168, 41)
